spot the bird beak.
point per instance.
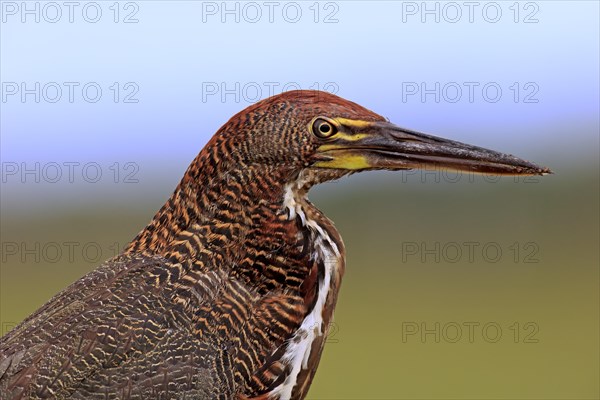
(362, 145)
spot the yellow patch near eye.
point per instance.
(351, 138)
(357, 123)
(327, 147)
(345, 161)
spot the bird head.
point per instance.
(321, 136)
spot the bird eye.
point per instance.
(323, 128)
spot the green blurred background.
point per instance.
(419, 315)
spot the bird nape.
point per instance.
(229, 291)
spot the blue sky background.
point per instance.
(371, 52)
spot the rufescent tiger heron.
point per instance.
(229, 291)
